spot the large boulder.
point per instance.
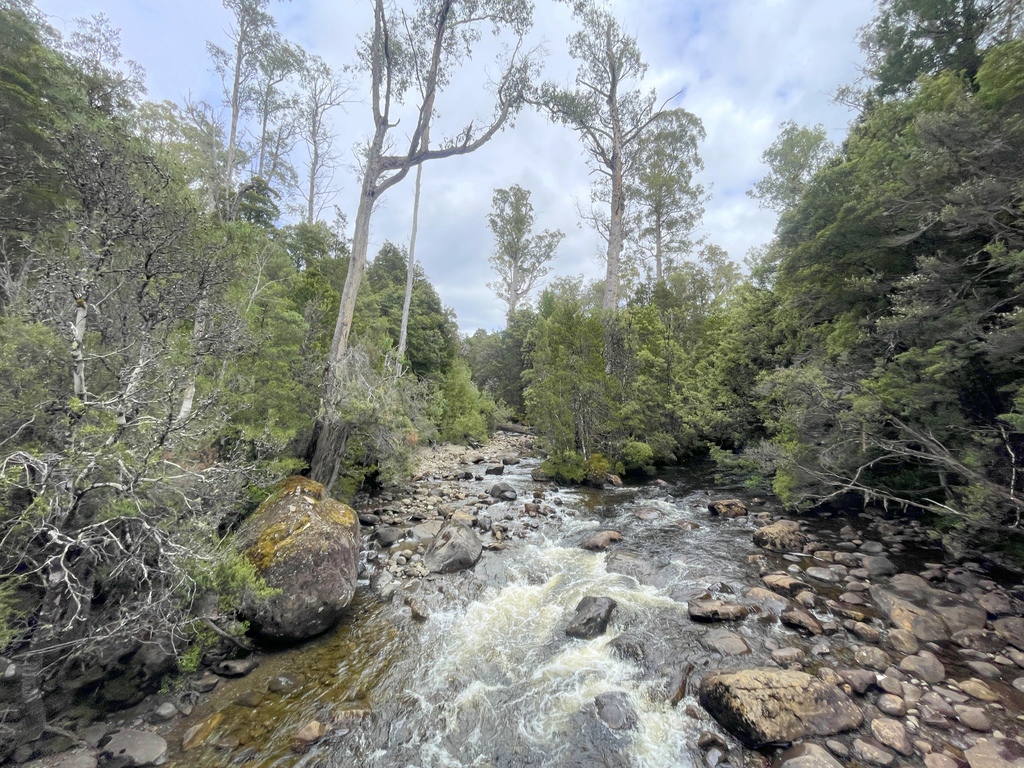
(306, 546)
(765, 706)
(782, 536)
(455, 548)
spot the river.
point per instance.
(489, 678)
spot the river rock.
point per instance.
(872, 658)
(455, 548)
(764, 706)
(891, 705)
(308, 735)
(305, 545)
(996, 753)
(784, 584)
(782, 536)
(871, 753)
(1011, 629)
(973, 717)
(725, 642)
(602, 540)
(716, 610)
(978, 690)
(801, 619)
(859, 680)
(592, 617)
(502, 491)
(495, 470)
(236, 667)
(892, 734)
(727, 508)
(616, 710)
(924, 666)
(878, 565)
(902, 642)
(136, 748)
(767, 600)
(807, 755)
(818, 573)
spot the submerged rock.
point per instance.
(615, 709)
(455, 548)
(769, 706)
(602, 540)
(305, 545)
(716, 610)
(136, 748)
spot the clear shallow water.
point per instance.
(490, 678)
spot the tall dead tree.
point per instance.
(441, 36)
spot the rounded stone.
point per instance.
(891, 705)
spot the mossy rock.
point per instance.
(306, 546)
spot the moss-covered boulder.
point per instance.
(306, 547)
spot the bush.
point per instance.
(638, 458)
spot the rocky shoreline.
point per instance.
(865, 664)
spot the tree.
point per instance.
(275, 109)
(668, 205)
(322, 91)
(440, 39)
(911, 38)
(793, 159)
(239, 70)
(521, 258)
(609, 117)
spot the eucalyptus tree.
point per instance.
(323, 90)
(793, 159)
(610, 111)
(438, 39)
(667, 203)
(521, 258)
(275, 106)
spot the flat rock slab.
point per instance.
(996, 753)
(765, 706)
(725, 642)
(138, 748)
(716, 610)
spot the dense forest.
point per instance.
(180, 327)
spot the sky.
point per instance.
(741, 66)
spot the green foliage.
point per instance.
(565, 467)
(638, 457)
(466, 412)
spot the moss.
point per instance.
(275, 539)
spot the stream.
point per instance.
(475, 668)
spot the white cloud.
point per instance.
(743, 67)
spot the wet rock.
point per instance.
(877, 565)
(1011, 629)
(979, 640)
(250, 699)
(903, 642)
(647, 513)
(786, 656)
(306, 546)
(495, 470)
(859, 680)
(602, 540)
(765, 706)
(872, 658)
(978, 690)
(308, 735)
(818, 573)
(807, 755)
(538, 475)
(725, 642)
(502, 491)
(866, 632)
(784, 584)
(283, 683)
(236, 667)
(892, 734)
(509, 461)
(616, 710)
(996, 753)
(79, 758)
(136, 748)
(163, 713)
(389, 534)
(996, 604)
(939, 760)
(455, 548)
(783, 536)
(205, 684)
(716, 610)
(801, 619)
(872, 754)
(924, 666)
(727, 508)
(592, 617)
(973, 717)
(891, 705)
(639, 567)
(984, 669)
(197, 735)
(767, 600)
(629, 647)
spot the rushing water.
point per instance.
(490, 677)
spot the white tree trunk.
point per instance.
(78, 347)
(410, 267)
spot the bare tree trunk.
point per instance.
(659, 274)
(618, 206)
(78, 346)
(236, 109)
(411, 266)
(314, 163)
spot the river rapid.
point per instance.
(475, 668)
